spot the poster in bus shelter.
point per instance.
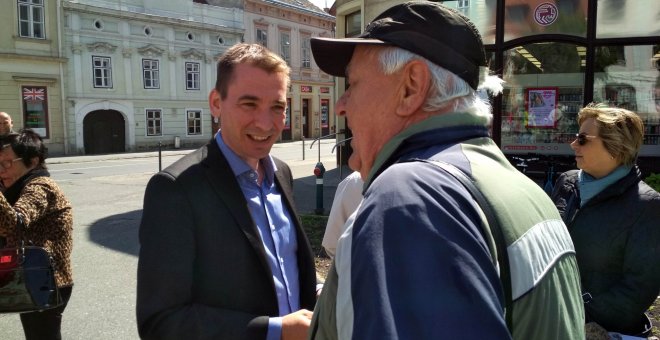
(541, 107)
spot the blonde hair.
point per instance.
(621, 130)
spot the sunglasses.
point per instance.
(582, 138)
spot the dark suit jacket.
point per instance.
(202, 271)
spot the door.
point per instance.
(306, 119)
(325, 117)
(104, 131)
(286, 133)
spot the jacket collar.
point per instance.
(446, 128)
(617, 188)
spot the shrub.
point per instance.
(653, 181)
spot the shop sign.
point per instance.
(325, 90)
(546, 14)
(305, 88)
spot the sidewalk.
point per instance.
(291, 152)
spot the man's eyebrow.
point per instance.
(251, 97)
(248, 97)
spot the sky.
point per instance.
(321, 3)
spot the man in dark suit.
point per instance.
(223, 254)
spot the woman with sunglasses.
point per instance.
(47, 218)
(614, 220)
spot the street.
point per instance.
(106, 193)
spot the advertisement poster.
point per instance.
(541, 107)
(35, 109)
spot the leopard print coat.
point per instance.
(48, 218)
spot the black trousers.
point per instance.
(47, 324)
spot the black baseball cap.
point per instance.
(438, 33)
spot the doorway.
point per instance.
(306, 119)
(104, 131)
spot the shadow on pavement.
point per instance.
(118, 232)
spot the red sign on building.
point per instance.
(305, 88)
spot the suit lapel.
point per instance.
(224, 183)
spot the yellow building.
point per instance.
(32, 69)
(286, 26)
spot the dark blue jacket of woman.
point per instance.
(617, 241)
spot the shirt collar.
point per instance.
(239, 166)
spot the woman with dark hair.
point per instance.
(613, 218)
(47, 217)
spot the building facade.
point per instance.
(140, 71)
(33, 68)
(287, 27)
(556, 56)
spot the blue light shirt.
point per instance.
(275, 228)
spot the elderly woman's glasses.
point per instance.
(582, 138)
(8, 163)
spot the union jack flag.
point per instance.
(33, 93)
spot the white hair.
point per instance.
(448, 91)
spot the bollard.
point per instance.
(160, 160)
(319, 170)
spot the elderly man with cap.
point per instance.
(450, 241)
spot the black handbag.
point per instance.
(27, 278)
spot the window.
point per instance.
(623, 77)
(622, 19)
(306, 53)
(154, 122)
(31, 18)
(102, 72)
(522, 19)
(285, 46)
(150, 74)
(539, 115)
(192, 76)
(262, 37)
(353, 24)
(194, 122)
(35, 109)
(463, 3)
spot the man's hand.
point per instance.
(296, 325)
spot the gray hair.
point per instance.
(448, 91)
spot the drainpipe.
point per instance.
(62, 94)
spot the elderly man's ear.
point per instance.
(416, 80)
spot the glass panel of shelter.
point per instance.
(543, 92)
(629, 77)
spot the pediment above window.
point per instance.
(101, 47)
(151, 51)
(193, 54)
